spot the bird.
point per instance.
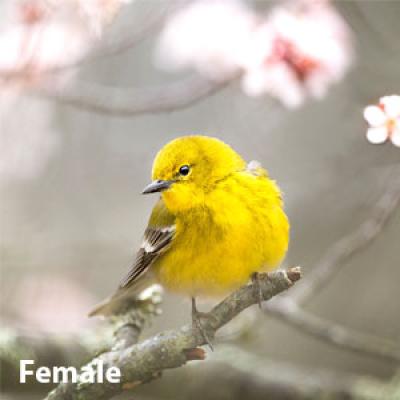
(218, 223)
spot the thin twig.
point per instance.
(333, 333)
(145, 361)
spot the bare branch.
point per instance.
(128, 103)
(333, 333)
(349, 245)
(145, 361)
(287, 308)
(245, 375)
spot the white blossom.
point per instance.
(384, 120)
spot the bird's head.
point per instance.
(187, 168)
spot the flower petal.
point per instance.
(391, 105)
(377, 135)
(395, 137)
(374, 116)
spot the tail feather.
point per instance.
(123, 300)
(105, 308)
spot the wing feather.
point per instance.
(156, 240)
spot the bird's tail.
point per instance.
(106, 308)
(123, 300)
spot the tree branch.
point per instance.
(245, 375)
(288, 307)
(128, 103)
(145, 361)
(349, 245)
(123, 332)
(333, 333)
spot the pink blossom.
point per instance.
(27, 52)
(42, 35)
(99, 13)
(208, 36)
(384, 120)
(297, 52)
(294, 52)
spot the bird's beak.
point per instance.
(157, 186)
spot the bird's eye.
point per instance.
(184, 170)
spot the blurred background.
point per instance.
(84, 113)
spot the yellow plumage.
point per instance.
(218, 221)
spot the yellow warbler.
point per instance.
(218, 221)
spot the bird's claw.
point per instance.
(255, 278)
(196, 324)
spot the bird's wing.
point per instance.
(157, 238)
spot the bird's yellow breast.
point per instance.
(239, 228)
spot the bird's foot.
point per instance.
(196, 323)
(255, 278)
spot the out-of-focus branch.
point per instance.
(288, 307)
(349, 245)
(244, 375)
(145, 361)
(44, 350)
(333, 333)
(73, 350)
(128, 103)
